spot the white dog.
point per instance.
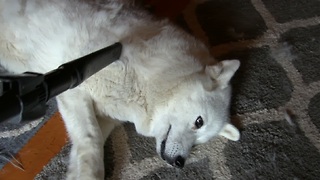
(162, 82)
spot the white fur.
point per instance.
(161, 83)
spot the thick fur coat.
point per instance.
(166, 82)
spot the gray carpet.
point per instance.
(276, 98)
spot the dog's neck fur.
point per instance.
(141, 65)
(146, 56)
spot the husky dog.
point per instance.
(165, 82)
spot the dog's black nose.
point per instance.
(179, 162)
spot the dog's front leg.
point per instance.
(86, 158)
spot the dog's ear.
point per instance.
(229, 131)
(223, 72)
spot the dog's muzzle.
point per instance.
(177, 161)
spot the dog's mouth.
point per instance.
(163, 145)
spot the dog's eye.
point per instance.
(199, 122)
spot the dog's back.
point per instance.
(41, 35)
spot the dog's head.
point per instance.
(195, 113)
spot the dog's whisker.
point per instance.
(15, 162)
